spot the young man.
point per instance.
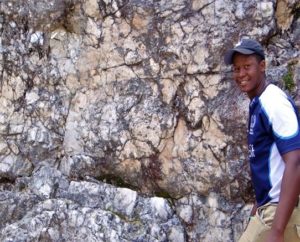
(274, 148)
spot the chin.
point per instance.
(244, 89)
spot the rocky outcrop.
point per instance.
(119, 120)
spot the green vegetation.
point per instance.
(288, 80)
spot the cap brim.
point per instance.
(229, 54)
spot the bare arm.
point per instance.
(290, 190)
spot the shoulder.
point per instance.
(275, 101)
(272, 94)
(279, 111)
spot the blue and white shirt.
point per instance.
(273, 130)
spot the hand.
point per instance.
(274, 236)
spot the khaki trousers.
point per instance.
(260, 224)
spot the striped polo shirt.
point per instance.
(273, 130)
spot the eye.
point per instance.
(247, 67)
(235, 69)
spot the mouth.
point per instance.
(242, 83)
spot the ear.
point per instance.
(262, 66)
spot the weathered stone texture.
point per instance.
(119, 121)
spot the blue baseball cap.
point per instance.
(245, 47)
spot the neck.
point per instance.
(260, 88)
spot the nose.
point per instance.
(240, 73)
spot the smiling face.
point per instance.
(249, 74)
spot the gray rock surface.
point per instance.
(119, 120)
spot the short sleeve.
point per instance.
(285, 125)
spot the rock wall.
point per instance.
(120, 122)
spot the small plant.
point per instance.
(288, 80)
